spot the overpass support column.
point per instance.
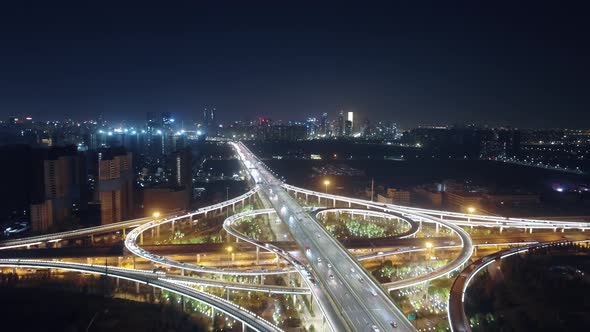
(257, 255)
(198, 258)
(227, 239)
(182, 272)
(306, 198)
(124, 233)
(140, 242)
(349, 204)
(437, 227)
(91, 239)
(501, 229)
(158, 231)
(244, 328)
(319, 199)
(172, 226)
(531, 230)
(137, 287)
(334, 202)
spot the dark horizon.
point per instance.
(522, 65)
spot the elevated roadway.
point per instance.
(351, 299)
(241, 314)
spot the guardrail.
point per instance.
(456, 312)
(239, 313)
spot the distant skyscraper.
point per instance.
(340, 124)
(348, 128)
(180, 164)
(311, 125)
(115, 175)
(167, 121)
(210, 121)
(324, 124)
(350, 118)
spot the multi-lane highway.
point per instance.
(351, 299)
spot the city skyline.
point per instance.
(519, 65)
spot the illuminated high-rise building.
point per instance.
(350, 127)
(324, 124)
(340, 124)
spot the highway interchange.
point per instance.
(350, 299)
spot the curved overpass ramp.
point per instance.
(241, 314)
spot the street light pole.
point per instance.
(229, 250)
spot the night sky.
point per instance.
(416, 63)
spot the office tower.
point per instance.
(115, 185)
(311, 125)
(347, 128)
(350, 118)
(324, 124)
(210, 121)
(340, 124)
(167, 121)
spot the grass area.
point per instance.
(545, 289)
